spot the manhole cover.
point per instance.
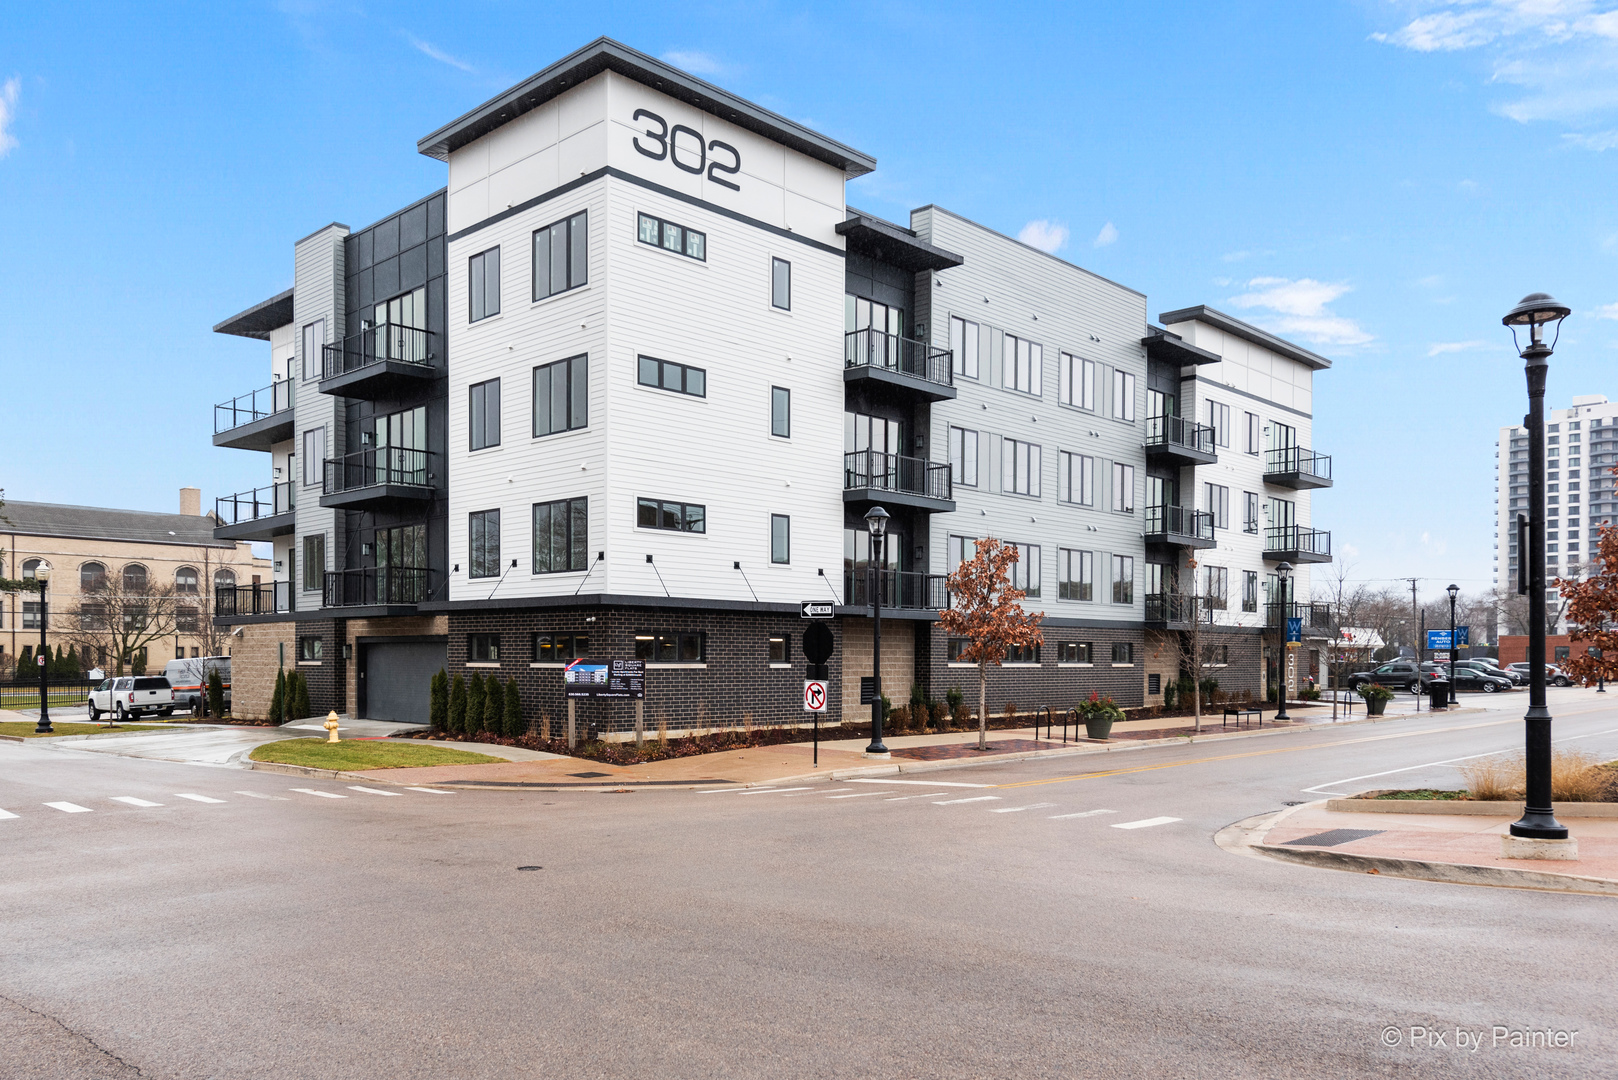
(530, 868)
(1332, 837)
(589, 775)
(1295, 802)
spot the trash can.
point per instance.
(1438, 693)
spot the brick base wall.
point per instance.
(898, 661)
(1061, 686)
(262, 650)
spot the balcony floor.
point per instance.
(263, 528)
(377, 495)
(1297, 481)
(928, 391)
(1293, 555)
(890, 497)
(1179, 540)
(1168, 453)
(258, 434)
(383, 379)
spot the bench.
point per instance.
(1242, 715)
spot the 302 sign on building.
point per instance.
(666, 146)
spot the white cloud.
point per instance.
(1607, 311)
(1239, 256)
(697, 63)
(8, 113)
(1442, 347)
(1107, 235)
(1444, 31)
(1595, 140)
(442, 57)
(1300, 309)
(1045, 235)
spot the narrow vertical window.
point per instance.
(1123, 396)
(1123, 488)
(314, 341)
(1123, 579)
(781, 284)
(484, 414)
(780, 538)
(314, 455)
(963, 456)
(483, 553)
(963, 343)
(781, 412)
(314, 562)
(561, 396)
(483, 285)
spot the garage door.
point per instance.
(398, 677)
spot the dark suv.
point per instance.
(1400, 674)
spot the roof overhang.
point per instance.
(893, 244)
(258, 320)
(1246, 331)
(1171, 348)
(604, 54)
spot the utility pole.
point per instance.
(1413, 619)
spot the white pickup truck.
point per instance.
(132, 696)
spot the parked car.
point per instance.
(1493, 665)
(1554, 675)
(1466, 678)
(190, 681)
(1395, 674)
(1490, 669)
(132, 696)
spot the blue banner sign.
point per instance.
(1295, 630)
(1463, 637)
(1438, 639)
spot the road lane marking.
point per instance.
(975, 798)
(860, 795)
(6, 814)
(68, 808)
(132, 801)
(1082, 813)
(1319, 789)
(196, 798)
(921, 783)
(1145, 823)
(923, 795)
(375, 791)
(716, 791)
(1020, 809)
(430, 791)
(261, 795)
(771, 791)
(320, 794)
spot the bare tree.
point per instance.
(1347, 606)
(210, 638)
(119, 616)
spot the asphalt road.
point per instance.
(844, 930)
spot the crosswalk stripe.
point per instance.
(196, 798)
(975, 798)
(860, 795)
(771, 791)
(430, 791)
(1020, 809)
(921, 783)
(68, 808)
(321, 794)
(1145, 823)
(374, 791)
(1082, 813)
(923, 795)
(6, 814)
(261, 795)
(132, 801)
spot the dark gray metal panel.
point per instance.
(385, 239)
(386, 282)
(413, 268)
(398, 677)
(413, 226)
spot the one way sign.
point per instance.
(817, 609)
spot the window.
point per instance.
(1019, 468)
(1025, 571)
(672, 648)
(1022, 654)
(1254, 437)
(1216, 500)
(483, 552)
(561, 396)
(559, 648)
(1123, 396)
(1023, 360)
(560, 257)
(484, 414)
(1075, 652)
(561, 536)
(781, 412)
(672, 516)
(1123, 652)
(314, 454)
(1076, 382)
(1123, 579)
(310, 648)
(224, 579)
(1219, 420)
(1075, 571)
(963, 456)
(1077, 484)
(185, 619)
(483, 285)
(1561, 652)
(780, 651)
(314, 561)
(92, 577)
(135, 579)
(667, 375)
(185, 581)
(781, 284)
(1217, 579)
(1250, 511)
(1249, 590)
(963, 344)
(961, 548)
(30, 614)
(955, 650)
(483, 648)
(314, 340)
(672, 237)
(780, 538)
(1123, 488)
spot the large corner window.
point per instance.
(561, 536)
(483, 285)
(561, 256)
(561, 396)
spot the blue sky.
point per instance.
(1379, 181)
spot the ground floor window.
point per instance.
(483, 648)
(672, 648)
(1123, 652)
(560, 648)
(311, 648)
(1021, 654)
(1074, 652)
(780, 648)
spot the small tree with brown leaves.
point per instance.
(984, 610)
(1592, 613)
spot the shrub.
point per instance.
(953, 696)
(900, 719)
(457, 706)
(1010, 712)
(938, 713)
(1375, 692)
(475, 695)
(514, 721)
(303, 709)
(918, 699)
(1491, 778)
(278, 698)
(438, 702)
(1309, 693)
(1169, 689)
(1574, 776)
(1209, 687)
(216, 692)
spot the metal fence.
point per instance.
(24, 693)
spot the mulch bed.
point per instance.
(951, 751)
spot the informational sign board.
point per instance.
(817, 609)
(814, 696)
(1439, 639)
(617, 680)
(1294, 631)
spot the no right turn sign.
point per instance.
(814, 695)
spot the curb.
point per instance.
(47, 740)
(1464, 807)
(319, 774)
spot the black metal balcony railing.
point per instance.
(372, 585)
(1179, 521)
(1180, 608)
(374, 344)
(246, 408)
(890, 352)
(1298, 459)
(1179, 431)
(264, 598)
(378, 466)
(900, 589)
(1300, 539)
(1314, 616)
(894, 472)
(259, 503)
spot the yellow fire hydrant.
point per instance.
(331, 726)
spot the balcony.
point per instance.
(1297, 467)
(870, 476)
(380, 362)
(903, 589)
(1176, 611)
(915, 366)
(1180, 526)
(265, 598)
(1315, 616)
(378, 586)
(1176, 440)
(255, 421)
(258, 514)
(1297, 544)
(383, 476)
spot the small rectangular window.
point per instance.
(780, 650)
(781, 412)
(560, 255)
(1217, 579)
(1075, 652)
(550, 648)
(1123, 652)
(963, 343)
(671, 237)
(314, 352)
(963, 456)
(1219, 420)
(1216, 500)
(483, 285)
(483, 552)
(1025, 571)
(781, 284)
(780, 538)
(688, 648)
(1250, 511)
(310, 648)
(1078, 479)
(314, 455)
(561, 536)
(314, 562)
(1076, 574)
(1123, 579)
(1123, 488)
(667, 375)
(1022, 363)
(671, 516)
(483, 409)
(1254, 436)
(561, 396)
(1020, 468)
(483, 648)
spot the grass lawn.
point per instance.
(364, 754)
(25, 728)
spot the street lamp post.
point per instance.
(1453, 590)
(1538, 820)
(42, 574)
(876, 520)
(1284, 572)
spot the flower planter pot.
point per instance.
(1098, 727)
(1375, 706)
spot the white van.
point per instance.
(132, 696)
(190, 681)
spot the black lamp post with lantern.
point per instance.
(876, 522)
(1284, 572)
(1453, 591)
(42, 576)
